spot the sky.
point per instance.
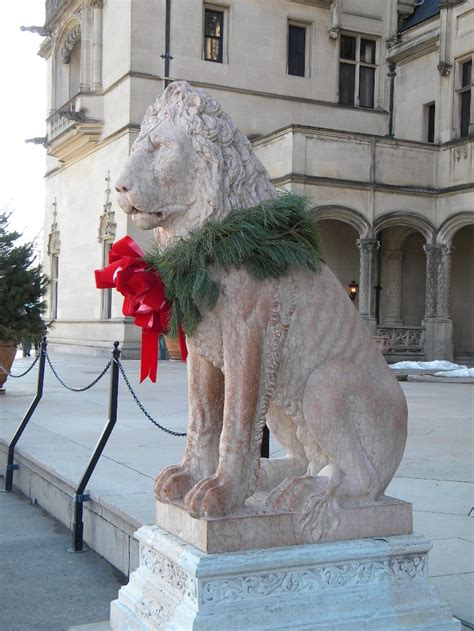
(22, 115)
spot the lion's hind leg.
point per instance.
(340, 417)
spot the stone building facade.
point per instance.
(364, 106)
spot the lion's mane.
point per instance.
(227, 153)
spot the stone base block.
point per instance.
(361, 585)
(251, 528)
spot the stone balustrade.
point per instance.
(404, 339)
(60, 121)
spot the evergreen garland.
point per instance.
(266, 240)
(22, 287)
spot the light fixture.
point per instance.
(353, 289)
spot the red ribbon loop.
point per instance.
(144, 299)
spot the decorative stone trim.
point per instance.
(404, 339)
(71, 40)
(312, 580)
(169, 572)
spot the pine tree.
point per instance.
(22, 288)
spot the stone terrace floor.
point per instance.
(436, 473)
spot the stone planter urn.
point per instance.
(382, 342)
(7, 355)
(173, 348)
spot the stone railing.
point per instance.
(404, 339)
(63, 118)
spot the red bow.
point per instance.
(145, 299)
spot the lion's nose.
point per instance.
(122, 187)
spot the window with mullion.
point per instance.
(357, 66)
(213, 35)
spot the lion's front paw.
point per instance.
(213, 497)
(173, 483)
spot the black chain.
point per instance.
(9, 374)
(141, 407)
(88, 387)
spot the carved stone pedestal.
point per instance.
(360, 585)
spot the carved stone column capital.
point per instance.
(97, 4)
(444, 68)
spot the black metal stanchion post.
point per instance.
(80, 497)
(39, 393)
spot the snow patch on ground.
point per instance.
(462, 372)
(434, 365)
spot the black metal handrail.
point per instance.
(21, 428)
(80, 496)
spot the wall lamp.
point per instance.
(353, 289)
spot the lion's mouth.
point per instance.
(136, 211)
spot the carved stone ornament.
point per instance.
(461, 152)
(107, 225)
(54, 241)
(444, 68)
(71, 40)
(263, 356)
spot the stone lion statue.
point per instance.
(292, 352)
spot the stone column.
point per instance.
(432, 252)
(443, 285)
(97, 45)
(392, 284)
(368, 249)
(438, 325)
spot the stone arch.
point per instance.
(450, 226)
(410, 219)
(342, 213)
(401, 268)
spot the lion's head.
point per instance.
(189, 163)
